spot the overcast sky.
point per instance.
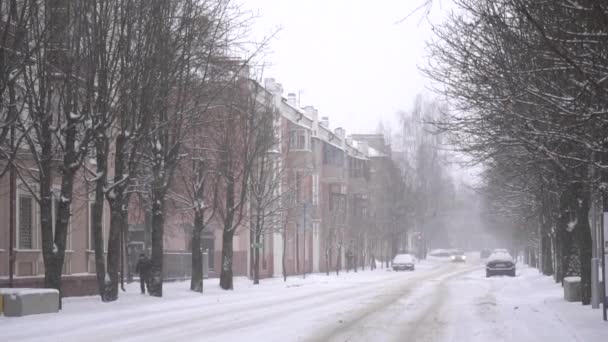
(348, 58)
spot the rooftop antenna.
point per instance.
(300, 91)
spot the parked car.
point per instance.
(458, 256)
(485, 253)
(500, 263)
(404, 262)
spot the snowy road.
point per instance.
(438, 302)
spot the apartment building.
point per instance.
(342, 203)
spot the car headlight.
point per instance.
(453, 257)
(464, 257)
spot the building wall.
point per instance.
(29, 264)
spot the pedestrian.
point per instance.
(349, 260)
(143, 268)
(373, 265)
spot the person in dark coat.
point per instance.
(373, 264)
(349, 260)
(143, 268)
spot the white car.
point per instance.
(500, 263)
(404, 262)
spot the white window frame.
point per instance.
(22, 191)
(35, 227)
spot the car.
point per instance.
(440, 253)
(500, 263)
(458, 256)
(404, 262)
(485, 253)
(500, 250)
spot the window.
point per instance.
(299, 139)
(337, 199)
(359, 206)
(357, 168)
(26, 222)
(332, 155)
(91, 241)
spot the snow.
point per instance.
(571, 225)
(529, 307)
(440, 301)
(572, 279)
(55, 249)
(24, 291)
(500, 257)
(403, 258)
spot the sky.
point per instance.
(350, 59)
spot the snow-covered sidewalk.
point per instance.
(529, 307)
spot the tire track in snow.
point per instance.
(358, 324)
(195, 318)
(313, 302)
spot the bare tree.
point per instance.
(525, 83)
(238, 148)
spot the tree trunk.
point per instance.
(196, 282)
(97, 231)
(256, 261)
(284, 256)
(327, 261)
(156, 261)
(226, 281)
(582, 234)
(338, 259)
(563, 237)
(546, 252)
(114, 249)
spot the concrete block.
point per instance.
(572, 289)
(22, 302)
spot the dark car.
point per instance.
(458, 256)
(403, 262)
(500, 263)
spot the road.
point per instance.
(439, 301)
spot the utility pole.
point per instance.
(595, 252)
(304, 230)
(12, 214)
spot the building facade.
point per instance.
(341, 212)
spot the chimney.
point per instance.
(291, 99)
(340, 132)
(325, 121)
(272, 86)
(276, 89)
(363, 146)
